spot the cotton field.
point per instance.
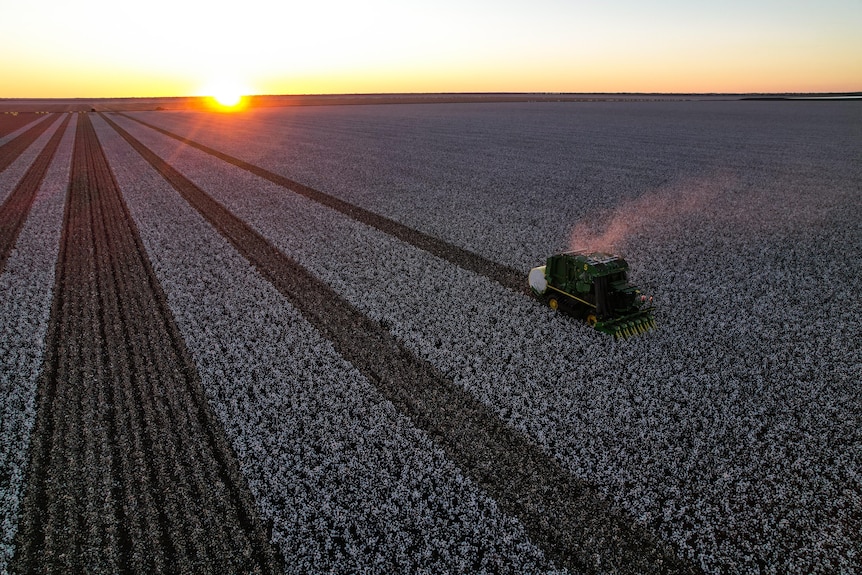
(728, 440)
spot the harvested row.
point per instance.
(505, 276)
(12, 122)
(10, 151)
(128, 469)
(26, 285)
(561, 514)
(349, 485)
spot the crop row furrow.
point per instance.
(80, 508)
(562, 515)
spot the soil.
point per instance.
(9, 122)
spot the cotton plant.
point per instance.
(748, 260)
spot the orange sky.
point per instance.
(173, 48)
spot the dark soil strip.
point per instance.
(564, 516)
(14, 211)
(129, 471)
(11, 122)
(504, 275)
(10, 151)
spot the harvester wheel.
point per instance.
(553, 303)
(591, 320)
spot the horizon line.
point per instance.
(492, 93)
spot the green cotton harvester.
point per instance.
(594, 287)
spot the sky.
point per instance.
(102, 48)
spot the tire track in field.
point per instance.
(129, 471)
(10, 151)
(14, 211)
(504, 275)
(564, 516)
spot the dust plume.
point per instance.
(610, 231)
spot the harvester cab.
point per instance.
(594, 287)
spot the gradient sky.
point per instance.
(101, 48)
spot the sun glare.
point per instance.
(228, 99)
(225, 95)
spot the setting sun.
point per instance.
(226, 94)
(228, 98)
